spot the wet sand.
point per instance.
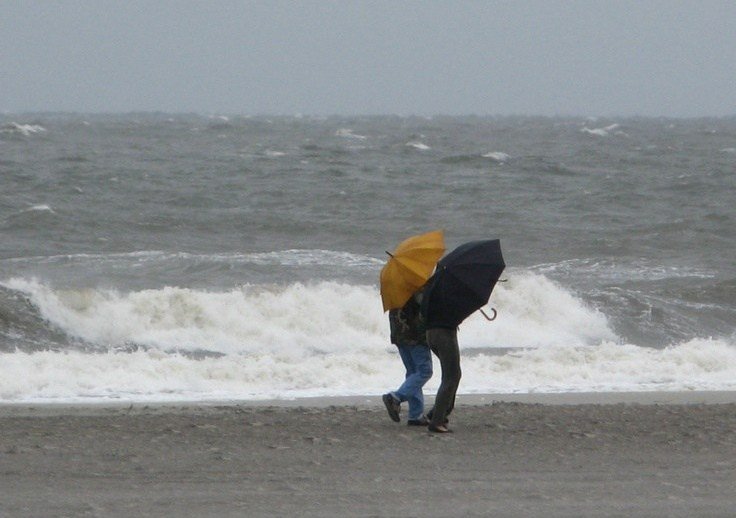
(650, 455)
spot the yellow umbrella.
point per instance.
(409, 267)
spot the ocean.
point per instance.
(160, 257)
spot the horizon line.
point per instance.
(216, 114)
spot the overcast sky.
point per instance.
(591, 58)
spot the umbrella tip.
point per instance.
(389, 253)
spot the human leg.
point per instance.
(444, 344)
(393, 400)
(418, 362)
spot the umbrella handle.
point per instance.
(490, 319)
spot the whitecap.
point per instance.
(40, 208)
(348, 133)
(498, 156)
(22, 129)
(418, 145)
(729, 150)
(274, 154)
(291, 257)
(601, 132)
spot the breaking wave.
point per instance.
(317, 339)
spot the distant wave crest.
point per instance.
(21, 129)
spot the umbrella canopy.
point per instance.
(462, 283)
(409, 266)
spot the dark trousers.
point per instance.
(443, 343)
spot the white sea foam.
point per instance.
(536, 312)
(498, 156)
(296, 320)
(700, 364)
(366, 369)
(613, 271)
(42, 207)
(22, 129)
(348, 133)
(729, 150)
(274, 154)
(418, 145)
(327, 339)
(603, 132)
(292, 257)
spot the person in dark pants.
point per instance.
(443, 343)
(409, 336)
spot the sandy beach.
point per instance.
(573, 455)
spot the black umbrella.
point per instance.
(462, 283)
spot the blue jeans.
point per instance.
(418, 362)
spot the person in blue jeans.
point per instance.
(409, 335)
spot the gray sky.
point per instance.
(593, 58)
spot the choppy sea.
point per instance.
(158, 257)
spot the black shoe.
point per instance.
(393, 406)
(422, 421)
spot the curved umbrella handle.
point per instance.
(490, 319)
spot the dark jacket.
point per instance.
(438, 321)
(407, 323)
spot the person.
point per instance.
(443, 343)
(409, 336)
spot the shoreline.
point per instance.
(717, 397)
